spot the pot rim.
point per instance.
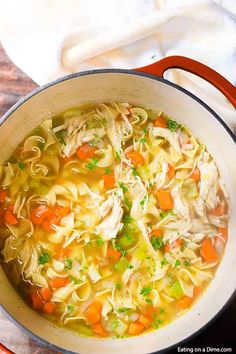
(39, 340)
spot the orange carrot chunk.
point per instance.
(185, 302)
(10, 218)
(63, 252)
(37, 301)
(40, 213)
(145, 321)
(160, 122)
(197, 291)
(58, 282)
(45, 293)
(135, 328)
(164, 199)
(86, 151)
(48, 308)
(224, 232)
(61, 211)
(208, 252)
(3, 195)
(113, 254)
(171, 172)
(67, 159)
(99, 329)
(93, 312)
(177, 243)
(109, 180)
(156, 233)
(135, 157)
(195, 175)
(219, 210)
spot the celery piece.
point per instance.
(121, 265)
(127, 241)
(176, 290)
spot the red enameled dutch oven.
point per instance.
(146, 87)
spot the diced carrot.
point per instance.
(164, 199)
(11, 207)
(99, 329)
(45, 293)
(63, 252)
(10, 218)
(177, 243)
(219, 210)
(135, 157)
(224, 232)
(145, 321)
(135, 328)
(37, 301)
(185, 302)
(61, 211)
(171, 172)
(208, 252)
(93, 312)
(195, 175)
(58, 282)
(48, 308)
(3, 195)
(113, 254)
(109, 180)
(197, 291)
(149, 311)
(67, 159)
(220, 192)
(48, 225)
(156, 233)
(160, 122)
(86, 151)
(40, 213)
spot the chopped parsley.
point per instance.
(143, 140)
(123, 187)
(122, 310)
(164, 262)
(156, 321)
(157, 242)
(68, 263)
(108, 171)
(21, 165)
(92, 164)
(117, 156)
(177, 263)
(99, 241)
(134, 171)
(145, 130)
(173, 125)
(44, 258)
(74, 279)
(70, 308)
(115, 324)
(127, 202)
(149, 301)
(61, 136)
(143, 201)
(162, 311)
(129, 266)
(118, 286)
(187, 263)
(145, 291)
(128, 219)
(118, 247)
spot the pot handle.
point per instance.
(4, 350)
(194, 67)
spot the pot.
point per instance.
(146, 87)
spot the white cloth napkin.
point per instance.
(50, 38)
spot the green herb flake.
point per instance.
(157, 242)
(70, 308)
(187, 263)
(117, 156)
(149, 301)
(118, 286)
(164, 262)
(92, 164)
(156, 321)
(61, 134)
(134, 171)
(145, 291)
(123, 187)
(129, 266)
(44, 258)
(162, 311)
(74, 279)
(115, 324)
(21, 165)
(173, 125)
(122, 310)
(143, 140)
(128, 219)
(177, 263)
(145, 130)
(68, 263)
(143, 201)
(99, 241)
(108, 171)
(128, 203)
(42, 145)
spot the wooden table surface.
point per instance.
(222, 333)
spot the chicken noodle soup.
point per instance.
(113, 219)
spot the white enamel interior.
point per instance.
(124, 87)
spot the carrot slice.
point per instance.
(48, 308)
(63, 252)
(164, 199)
(93, 312)
(10, 218)
(67, 159)
(145, 321)
(45, 293)
(195, 175)
(185, 302)
(219, 210)
(58, 282)
(197, 291)
(37, 301)
(3, 195)
(99, 329)
(135, 328)
(109, 180)
(86, 151)
(160, 122)
(135, 157)
(113, 254)
(224, 232)
(171, 172)
(208, 252)
(177, 243)
(40, 213)
(61, 211)
(156, 233)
